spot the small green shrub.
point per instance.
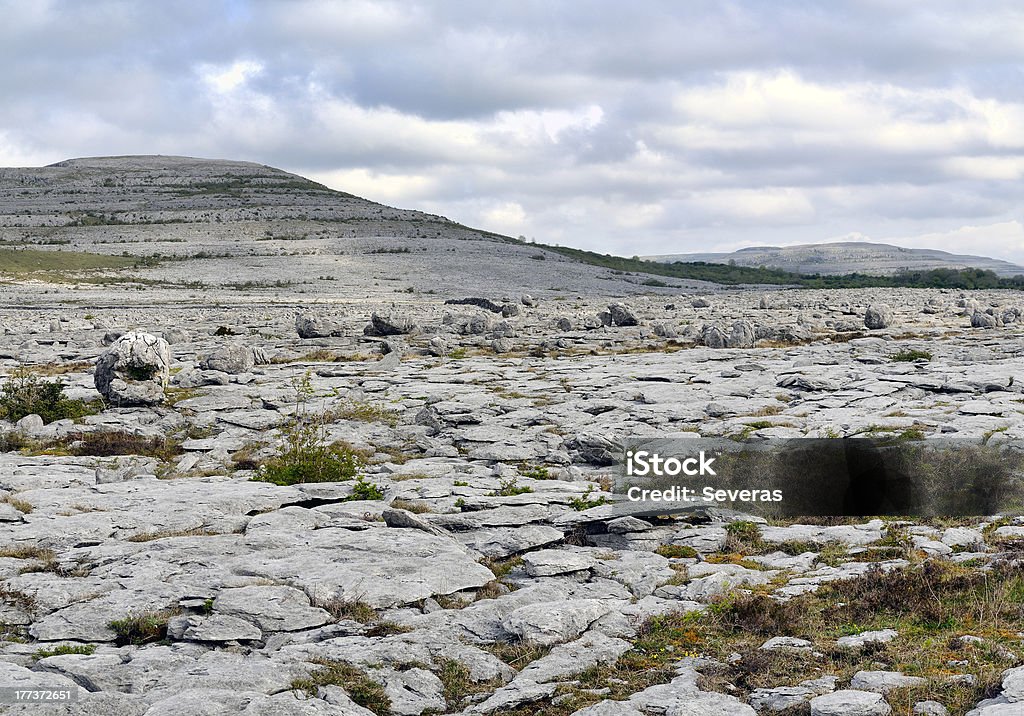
(509, 488)
(310, 462)
(25, 393)
(537, 472)
(306, 455)
(909, 356)
(585, 502)
(364, 490)
(141, 628)
(743, 537)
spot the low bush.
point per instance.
(141, 628)
(25, 393)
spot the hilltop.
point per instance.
(845, 257)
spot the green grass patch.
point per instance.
(675, 551)
(64, 649)
(536, 472)
(510, 487)
(362, 689)
(909, 356)
(586, 502)
(25, 262)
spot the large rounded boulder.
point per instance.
(134, 370)
(878, 316)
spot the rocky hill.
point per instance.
(234, 223)
(848, 257)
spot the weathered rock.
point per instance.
(232, 358)
(850, 703)
(389, 324)
(741, 335)
(859, 641)
(884, 681)
(622, 316)
(555, 622)
(484, 303)
(270, 608)
(712, 337)
(878, 316)
(134, 370)
(980, 319)
(548, 562)
(438, 346)
(311, 325)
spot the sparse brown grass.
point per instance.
(21, 506)
(931, 605)
(164, 534)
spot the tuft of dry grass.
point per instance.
(20, 505)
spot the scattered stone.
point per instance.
(233, 358)
(859, 641)
(389, 324)
(982, 320)
(622, 316)
(850, 703)
(884, 681)
(311, 325)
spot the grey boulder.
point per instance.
(134, 370)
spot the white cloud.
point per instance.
(508, 217)
(1004, 240)
(225, 79)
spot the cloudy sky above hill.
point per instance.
(632, 128)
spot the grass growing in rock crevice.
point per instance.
(142, 628)
(360, 687)
(65, 649)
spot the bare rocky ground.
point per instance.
(479, 565)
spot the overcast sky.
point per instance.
(631, 128)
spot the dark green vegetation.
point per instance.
(732, 275)
(25, 393)
(141, 628)
(909, 356)
(309, 460)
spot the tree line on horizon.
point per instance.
(732, 274)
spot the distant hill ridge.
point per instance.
(846, 257)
